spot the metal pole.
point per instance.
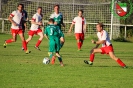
(125, 32)
(0, 8)
(111, 31)
(2, 25)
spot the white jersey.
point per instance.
(79, 24)
(104, 36)
(16, 17)
(36, 18)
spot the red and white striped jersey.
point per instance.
(103, 35)
(79, 24)
(16, 17)
(36, 18)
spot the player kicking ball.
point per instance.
(107, 47)
(35, 28)
(80, 28)
(16, 19)
(52, 33)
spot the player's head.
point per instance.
(39, 10)
(99, 27)
(80, 13)
(56, 8)
(20, 7)
(51, 21)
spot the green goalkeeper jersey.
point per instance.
(57, 18)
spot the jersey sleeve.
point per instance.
(74, 21)
(104, 35)
(45, 31)
(34, 17)
(13, 14)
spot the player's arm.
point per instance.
(70, 30)
(37, 23)
(97, 45)
(84, 26)
(10, 18)
(98, 42)
(46, 36)
(33, 21)
(73, 22)
(62, 22)
(46, 33)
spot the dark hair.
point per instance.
(39, 8)
(81, 11)
(51, 20)
(100, 24)
(21, 5)
(56, 6)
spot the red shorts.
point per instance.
(34, 32)
(79, 36)
(15, 32)
(107, 49)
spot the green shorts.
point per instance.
(54, 45)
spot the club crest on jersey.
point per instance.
(121, 9)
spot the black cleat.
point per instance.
(37, 48)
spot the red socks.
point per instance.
(92, 57)
(38, 43)
(25, 45)
(79, 44)
(121, 63)
(9, 41)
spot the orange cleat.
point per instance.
(53, 60)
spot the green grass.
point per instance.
(20, 70)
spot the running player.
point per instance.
(35, 27)
(16, 19)
(52, 33)
(107, 47)
(58, 18)
(80, 28)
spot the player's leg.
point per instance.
(31, 34)
(77, 36)
(112, 55)
(39, 40)
(59, 58)
(92, 56)
(24, 43)
(51, 51)
(62, 40)
(13, 39)
(81, 39)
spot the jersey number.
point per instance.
(51, 31)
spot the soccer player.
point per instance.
(52, 33)
(80, 28)
(24, 19)
(35, 27)
(58, 18)
(16, 19)
(107, 47)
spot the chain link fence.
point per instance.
(94, 11)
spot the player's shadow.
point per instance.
(128, 67)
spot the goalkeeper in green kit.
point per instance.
(52, 33)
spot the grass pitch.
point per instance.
(20, 70)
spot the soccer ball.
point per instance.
(46, 60)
